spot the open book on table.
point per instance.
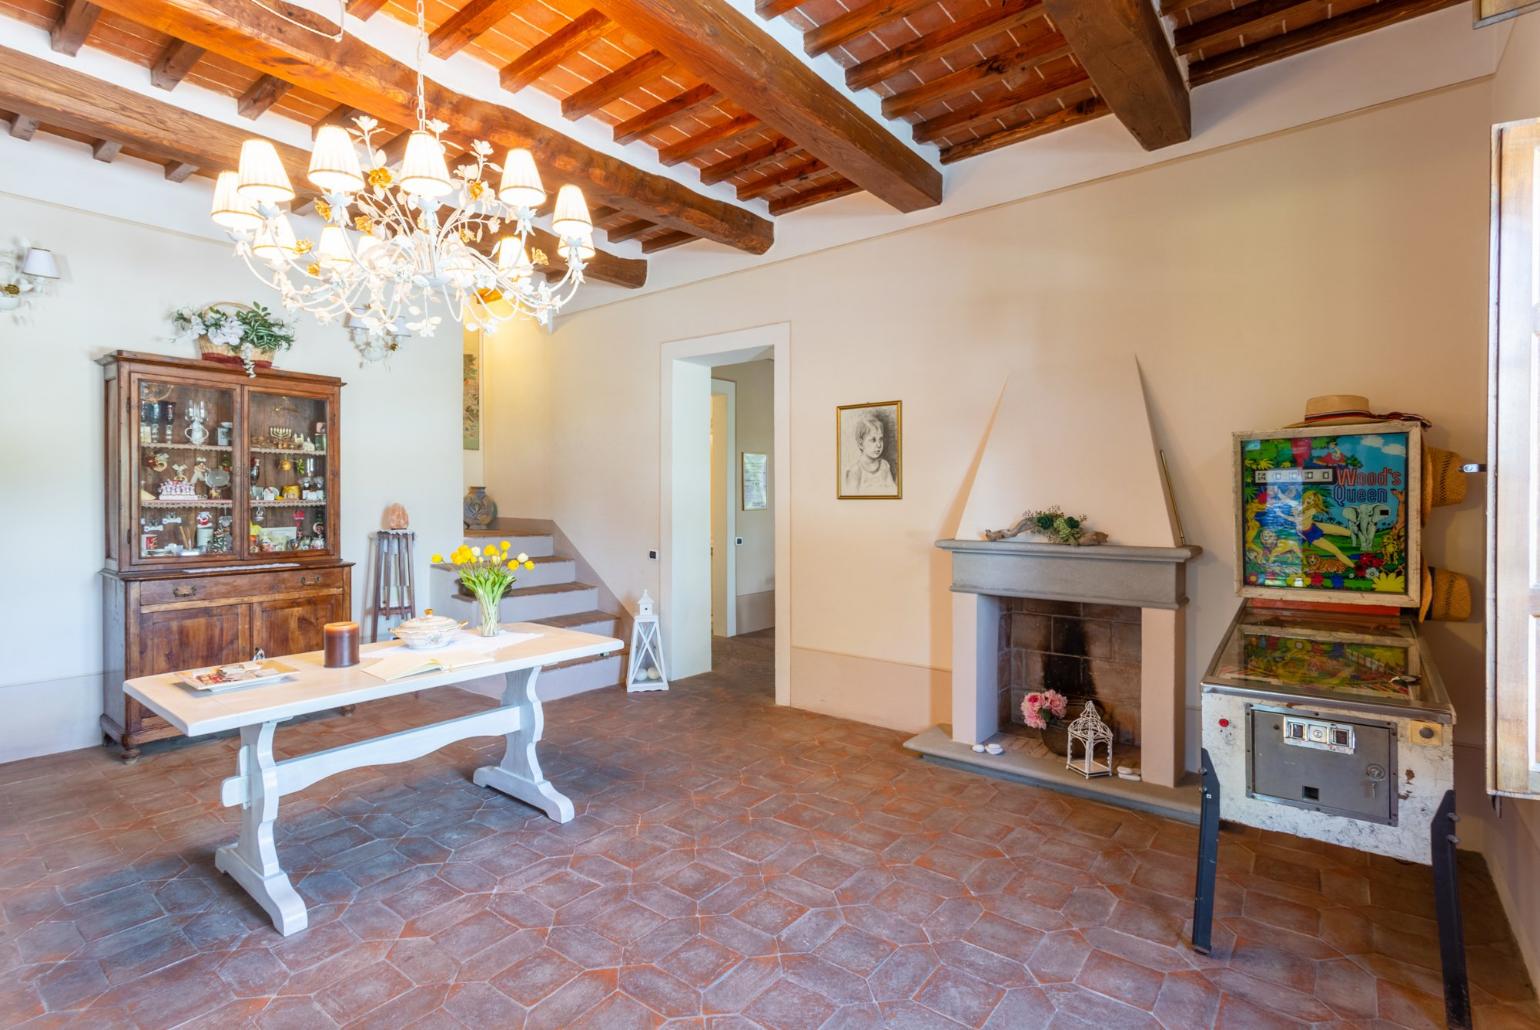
(403, 663)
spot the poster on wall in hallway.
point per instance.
(754, 481)
(1488, 12)
(471, 415)
(870, 449)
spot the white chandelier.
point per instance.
(399, 239)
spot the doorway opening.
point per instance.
(725, 581)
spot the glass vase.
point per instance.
(489, 602)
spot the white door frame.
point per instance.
(768, 341)
(729, 389)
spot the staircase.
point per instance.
(549, 594)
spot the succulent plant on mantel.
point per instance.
(1052, 523)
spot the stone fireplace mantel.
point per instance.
(1152, 579)
(1143, 577)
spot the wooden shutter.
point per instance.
(1513, 485)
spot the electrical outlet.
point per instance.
(653, 555)
(1428, 734)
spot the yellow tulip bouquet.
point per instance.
(487, 574)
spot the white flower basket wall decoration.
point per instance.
(1089, 731)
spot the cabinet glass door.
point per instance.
(289, 478)
(182, 480)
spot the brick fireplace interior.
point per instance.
(1081, 650)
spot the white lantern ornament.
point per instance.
(645, 671)
(1088, 731)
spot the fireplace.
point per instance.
(1107, 620)
(1087, 652)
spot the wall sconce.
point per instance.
(25, 273)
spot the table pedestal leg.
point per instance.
(518, 774)
(252, 861)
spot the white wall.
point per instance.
(400, 433)
(755, 431)
(1348, 256)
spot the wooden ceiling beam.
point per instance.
(768, 9)
(721, 45)
(342, 115)
(799, 172)
(665, 240)
(61, 96)
(1171, 8)
(351, 72)
(609, 88)
(629, 231)
(262, 95)
(553, 50)
(174, 62)
(75, 23)
(747, 161)
(1343, 26)
(365, 9)
(179, 171)
(980, 73)
(1239, 21)
(841, 30)
(1065, 85)
(106, 150)
(23, 127)
(816, 195)
(654, 118)
(471, 21)
(1025, 130)
(1123, 47)
(718, 135)
(944, 42)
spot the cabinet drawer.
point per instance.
(257, 585)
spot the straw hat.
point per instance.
(1335, 409)
(1445, 596)
(1442, 481)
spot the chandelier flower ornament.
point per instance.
(399, 239)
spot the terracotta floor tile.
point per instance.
(797, 870)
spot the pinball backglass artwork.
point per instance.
(1330, 514)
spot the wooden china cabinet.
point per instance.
(222, 518)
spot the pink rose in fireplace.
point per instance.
(1038, 705)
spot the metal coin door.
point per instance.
(1322, 763)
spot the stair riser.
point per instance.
(599, 627)
(575, 679)
(534, 546)
(532, 608)
(546, 574)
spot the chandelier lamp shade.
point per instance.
(400, 239)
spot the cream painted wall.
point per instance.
(400, 423)
(516, 420)
(1348, 256)
(755, 425)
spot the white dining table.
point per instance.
(260, 780)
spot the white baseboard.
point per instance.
(50, 716)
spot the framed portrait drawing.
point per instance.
(869, 451)
(1330, 514)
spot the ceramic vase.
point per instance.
(480, 509)
(1056, 737)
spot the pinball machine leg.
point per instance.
(1451, 927)
(1208, 861)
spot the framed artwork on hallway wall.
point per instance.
(471, 411)
(1488, 12)
(869, 449)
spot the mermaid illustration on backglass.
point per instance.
(1327, 510)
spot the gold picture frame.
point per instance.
(1490, 12)
(856, 479)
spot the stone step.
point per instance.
(534, 604)
(600, 622)
(536, 545)
(548, 571)
(567, 678)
